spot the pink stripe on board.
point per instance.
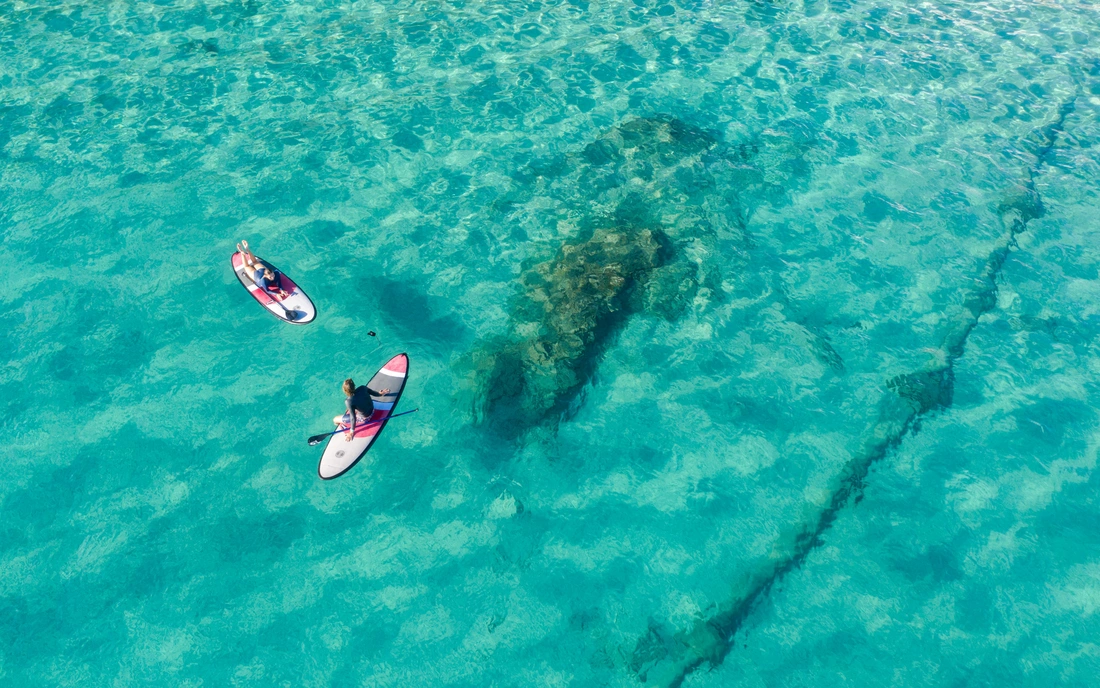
(398, 364)
(370, 430)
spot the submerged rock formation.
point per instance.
(652, 198)
(572, 310)
(659, 208)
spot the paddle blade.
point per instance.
(317, 439)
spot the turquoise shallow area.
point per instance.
(864, 452)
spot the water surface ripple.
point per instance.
(754, 343)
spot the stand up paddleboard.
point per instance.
(340, 454)
(295, 309)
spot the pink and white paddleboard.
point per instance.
(296, 308)
(341, 454)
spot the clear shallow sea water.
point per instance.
(752, 492)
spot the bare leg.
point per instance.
(250, 260)
(251, 265)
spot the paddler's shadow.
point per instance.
(411, 315)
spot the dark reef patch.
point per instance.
(573, 308)
(660, 208)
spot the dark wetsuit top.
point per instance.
(263, 282)
(360, 401)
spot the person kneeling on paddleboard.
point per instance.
(261, 273)
(359, 406)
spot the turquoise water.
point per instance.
(857, 447)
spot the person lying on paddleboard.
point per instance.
(358, 405)
(260, 272)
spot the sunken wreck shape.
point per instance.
(573, 308)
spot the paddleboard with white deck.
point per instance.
(296, 308)
(340, 454)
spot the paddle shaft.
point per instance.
(317, 438)
(272, 297)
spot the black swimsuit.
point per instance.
(360, 401)
(270, 285)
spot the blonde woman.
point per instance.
(261, 273)
(358, 406)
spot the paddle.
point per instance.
(317, 439)
(290, 315)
